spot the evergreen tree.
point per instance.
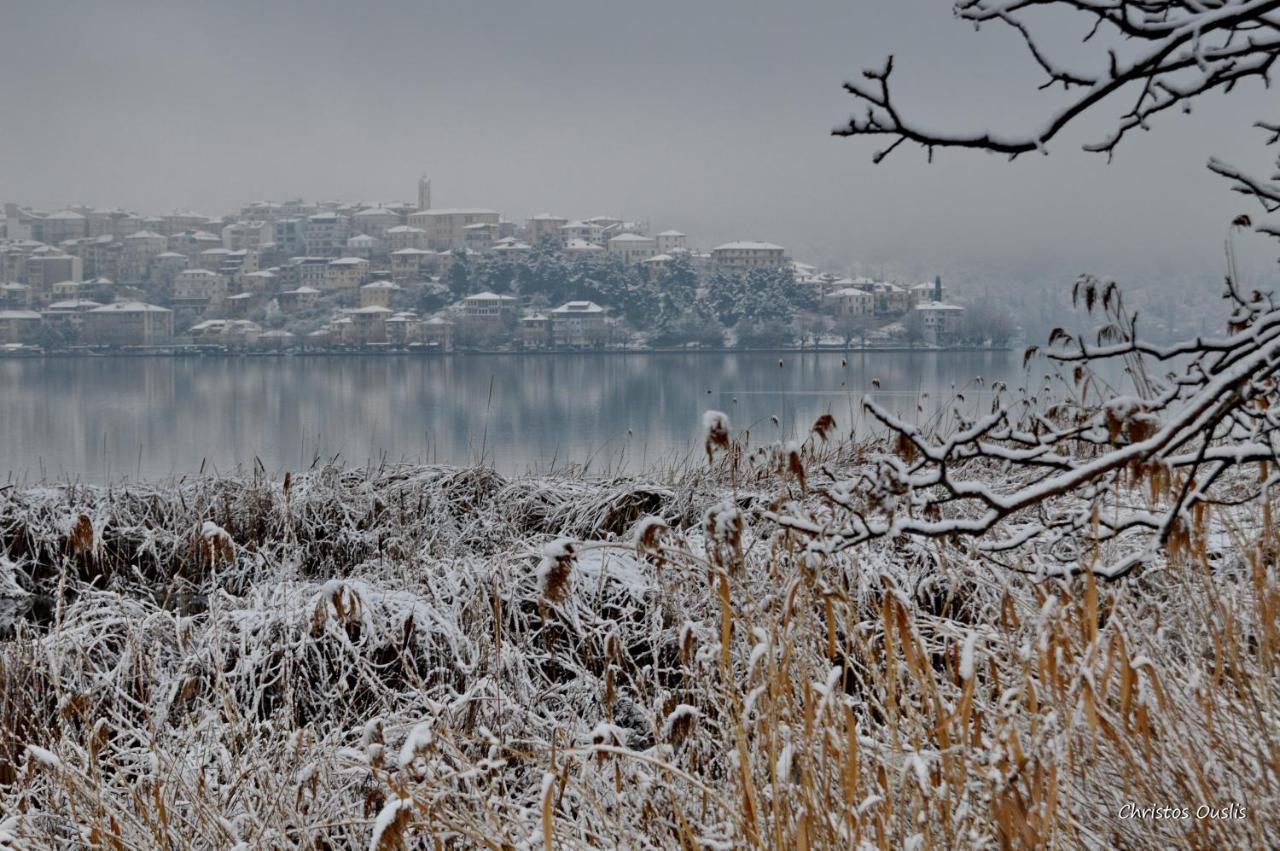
(458, 276)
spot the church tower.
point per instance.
(424, 193)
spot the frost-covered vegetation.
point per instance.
(390, 658)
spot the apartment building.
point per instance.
(743, 256)
(633, 247)
(410, 264)
(163, 269)
(939, 322)
(374, 221)
(581, 232)
(404, 236)
(19, 327)
(63, 225)
(445, 228)
(671, 240)
(324, 234)
(346, 273)
(489, 307)
(248, 235)
(199, 285)
(850, 301)
(578, 323)
(128, 323)
(378, 294)
(545, 225)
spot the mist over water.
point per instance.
(109, 419)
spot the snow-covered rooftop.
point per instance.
(747, 245)
(578, 307)
(74, 304)
(489, 296)
(458, 211)
(130, 307)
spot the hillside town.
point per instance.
(299, 276)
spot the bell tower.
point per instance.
(424, 193)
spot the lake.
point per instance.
(117, 418)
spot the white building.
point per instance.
(851, 301)
(671, 240)
(581, 246)
(346, 273)
(377, 294)
(410, 264)
(363, 245)
(251, 235)
(259, 281)
(489, 306)
(19, 326)
(445, 228)
(324, 234)
(63, 225)
(742, 256)
(939, 322)
(404, 236)
(545, 225)
(582, 232)
(633, 247)
(199, 285)
(578, 323)
(374, 221)
(128, 323)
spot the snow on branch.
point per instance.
(1096, 480)
(1185, 50)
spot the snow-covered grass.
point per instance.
(381, 658)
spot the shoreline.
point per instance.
(221, 352)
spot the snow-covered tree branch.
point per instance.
(1082, 477)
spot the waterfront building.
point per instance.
(19, 327)
(128, 323)
(578, 323)
(939, 322)
(488, 306)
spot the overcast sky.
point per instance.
(712, 117)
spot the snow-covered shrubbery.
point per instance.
(355, 658)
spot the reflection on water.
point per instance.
(112, 418)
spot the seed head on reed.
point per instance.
(716, 425)
(823, 426)
(555, 569)
(648, 534)
(80, 540)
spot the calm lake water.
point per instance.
(100, 419)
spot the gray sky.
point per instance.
(711, 117)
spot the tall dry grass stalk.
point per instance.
(378, 660)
